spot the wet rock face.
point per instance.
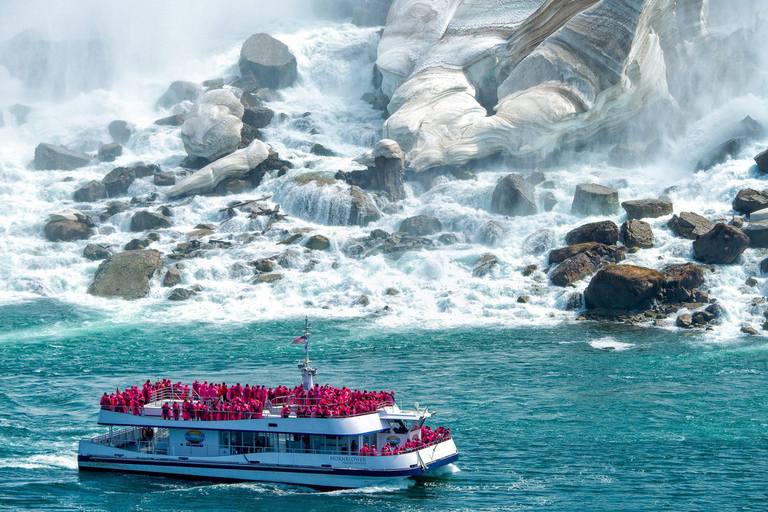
(591, 199)
(605, 232)
(175, 120)
(385, 171)
(363, 210)
(119, 179)
(50, 157)
(144, 220)
(177, 92)
(647, 208)
(690, 225)
(484, 265)
(126, 275)
(757, 232)
(110, 152)
(318, 243)
(747, 131)
(721, 245)
(761, 160)
(636, 233)
(91, 191)
(179, 294)
(269, 61)
(575, 262)
(514, 196)
(96, 252)
(749, 200)
(67, 230)
(421, 225)
(623, 287)
(121, 131)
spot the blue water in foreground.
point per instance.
(578, 417)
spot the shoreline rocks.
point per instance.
(623, 287)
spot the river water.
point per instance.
(579, 417)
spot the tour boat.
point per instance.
(321, 437)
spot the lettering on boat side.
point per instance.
(347, 459)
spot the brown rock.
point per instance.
(623, 287)
(722, 244)
(636, 233)
(604, 232)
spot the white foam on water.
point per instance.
(610, 343)
(41, 461)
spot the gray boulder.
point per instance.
(757, 232)
(179, 294)
(749, 200)
(257, 117)
(95, 252)
(762, 161)
(484, 265)
(67, 230)
(591, 199)
(690, 225)
(722, 153)
(421, 225)
(177, 92)
(647, 208)
(50, 157)
(491, 233)
(636, 233)
(126, 274)
(145, 220)
(91, 191)
(626, 155)
(514, 196)
(363, 210)
(269, 61)
(548, 200)
(164, 179)
(722, 244)
(318, 243)
(109, 152)
(119, 179)
(578, 261)
(175, 120)
(538, 242)
(384, 171)
(605, 232)
(121, 131)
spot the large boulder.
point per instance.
(126, 274)
(269, 61)
(96, 252)
(362, 209)
(749, 200)
(146, 220)
(604, 232)
(757, 232)
(647, 208)
(690, 225)
(121, 131)
(578, 261)
(636, 233)
(257, 116)
(318, 243)
(91, 191)
(682, 279)
(385, 170)
(623, 287)
(118, 180)
(762, 161)
(109, 152)
(177, 92)
(49, 157)
(514, 196)
(721, 244)
(722, 153)
(67, 230)
(591, 199)
(213, 126)
(421, 225)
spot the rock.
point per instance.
(269, 61)
(172, 278)
(113, 208)
(20, 112)
(379, 233)
(449, 239)
(538, 242)
(548, 201)
(764, 266)
(363, 210)
(95, 252)
(751, 282)
(591, 199)
(267, 278)
(145, 220)
(484, 265)
(575, 302)
(110, 152)
(121, 131)
(689, 225)
(575, 268)
(686, 275)
(636, 233)
(605, 232)
(214, 83)
(421, 225)
(370, 13)
(136, 244)
(721, 244)
(722, 153)
(523, 299)
(318, 243)
(91, 191)
(684, 321)
(320, 150)
(738, 222)
(748, 330)
(391, 292)
(175, 120)
(50, 157)
(623, 287)
(759, 215)
(749, 200)
(118, 180)
(199, 233)
(757, 232)
(291, 239)
(231, 186)
(363, 301)
(647, 208)
(264, 265)
(257, 116)
(513, 196)
(126, 274)
(177, 92)
(536, 177)
(491, 233)
(562, 254)
(384, 171)
(179, 294)
(762, 161)
(164, 179)
(626, 155)
(529, 270)
(213, 126)
(67, 230)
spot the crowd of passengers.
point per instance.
(207, 402)
(428, 438)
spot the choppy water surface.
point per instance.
(575, 418)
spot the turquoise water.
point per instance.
(578, 417)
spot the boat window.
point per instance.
(224, 438)
(398, 427)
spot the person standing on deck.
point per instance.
(166, 411)
(176, 410)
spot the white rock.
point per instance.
(231, 166)
(759, 215)
(212, 127)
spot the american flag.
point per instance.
(299, 339)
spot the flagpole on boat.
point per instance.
(307, 371)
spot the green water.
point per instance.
(578, 417)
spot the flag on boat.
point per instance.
(299, 339)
